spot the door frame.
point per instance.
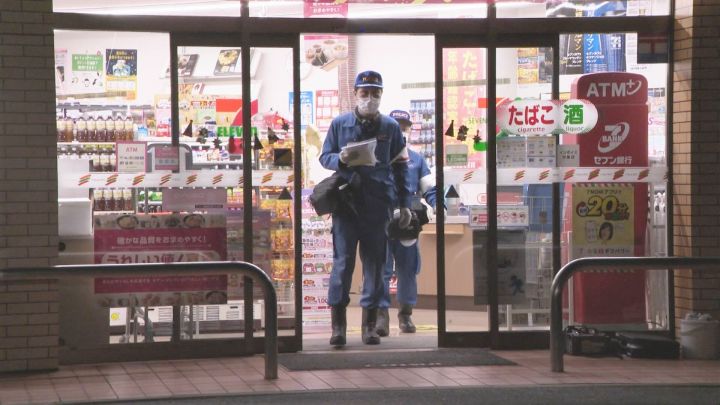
(245, 41)
(493, 338)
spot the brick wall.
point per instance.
(29, 325)
(28, 168)
(28, 184)
(696, 152)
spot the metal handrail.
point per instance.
(246, 269)
(557, 344)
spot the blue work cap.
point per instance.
(368, 78)
(400, 116)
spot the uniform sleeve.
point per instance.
(399, 161)
(427, 184)
(330, 156)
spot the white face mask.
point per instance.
(368, 105)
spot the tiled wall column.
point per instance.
(28, 184)
(28, 165)
(696, 152)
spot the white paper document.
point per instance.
(361, 153)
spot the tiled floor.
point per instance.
(157, 379)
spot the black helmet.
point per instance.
(409, 234)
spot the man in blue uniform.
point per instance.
(377, 184)
(406, 254)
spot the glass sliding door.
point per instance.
(496, 237)
(524, 192)
(461, 134)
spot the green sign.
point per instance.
(87, 63)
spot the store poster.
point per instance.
(131, 156)
(153, 291)
(325, 51)
(463, 73)
(159, 238)
(60, 70)
(527, 66)
(317, 265)
(511, 267)
(307, 108)
(328, 107)
(121, 71)
(86, 74)
(603, 220)
(166, 157)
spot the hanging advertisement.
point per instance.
(86, 74)
(121, 71)
(326, 51)
(571, 54)
(326, 8)
(159, 238)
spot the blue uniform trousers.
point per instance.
(369, 231)
(407, 267)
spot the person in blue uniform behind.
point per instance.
(376, 188)
(405, 255)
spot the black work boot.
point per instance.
(369, 319)
(406, 323)
(339, 325)
(383, 322)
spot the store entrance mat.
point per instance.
(391, 359)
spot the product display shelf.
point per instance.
(422, 132)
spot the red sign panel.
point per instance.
(620, 137)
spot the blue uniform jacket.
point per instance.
(382, 184)
(420, 178)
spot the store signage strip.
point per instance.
(519, 176)
(269, 178)
(201, 178)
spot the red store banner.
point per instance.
(156, 238)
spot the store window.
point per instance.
(615, 194)
(580, 8)
(368, 9)
(194, 8)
